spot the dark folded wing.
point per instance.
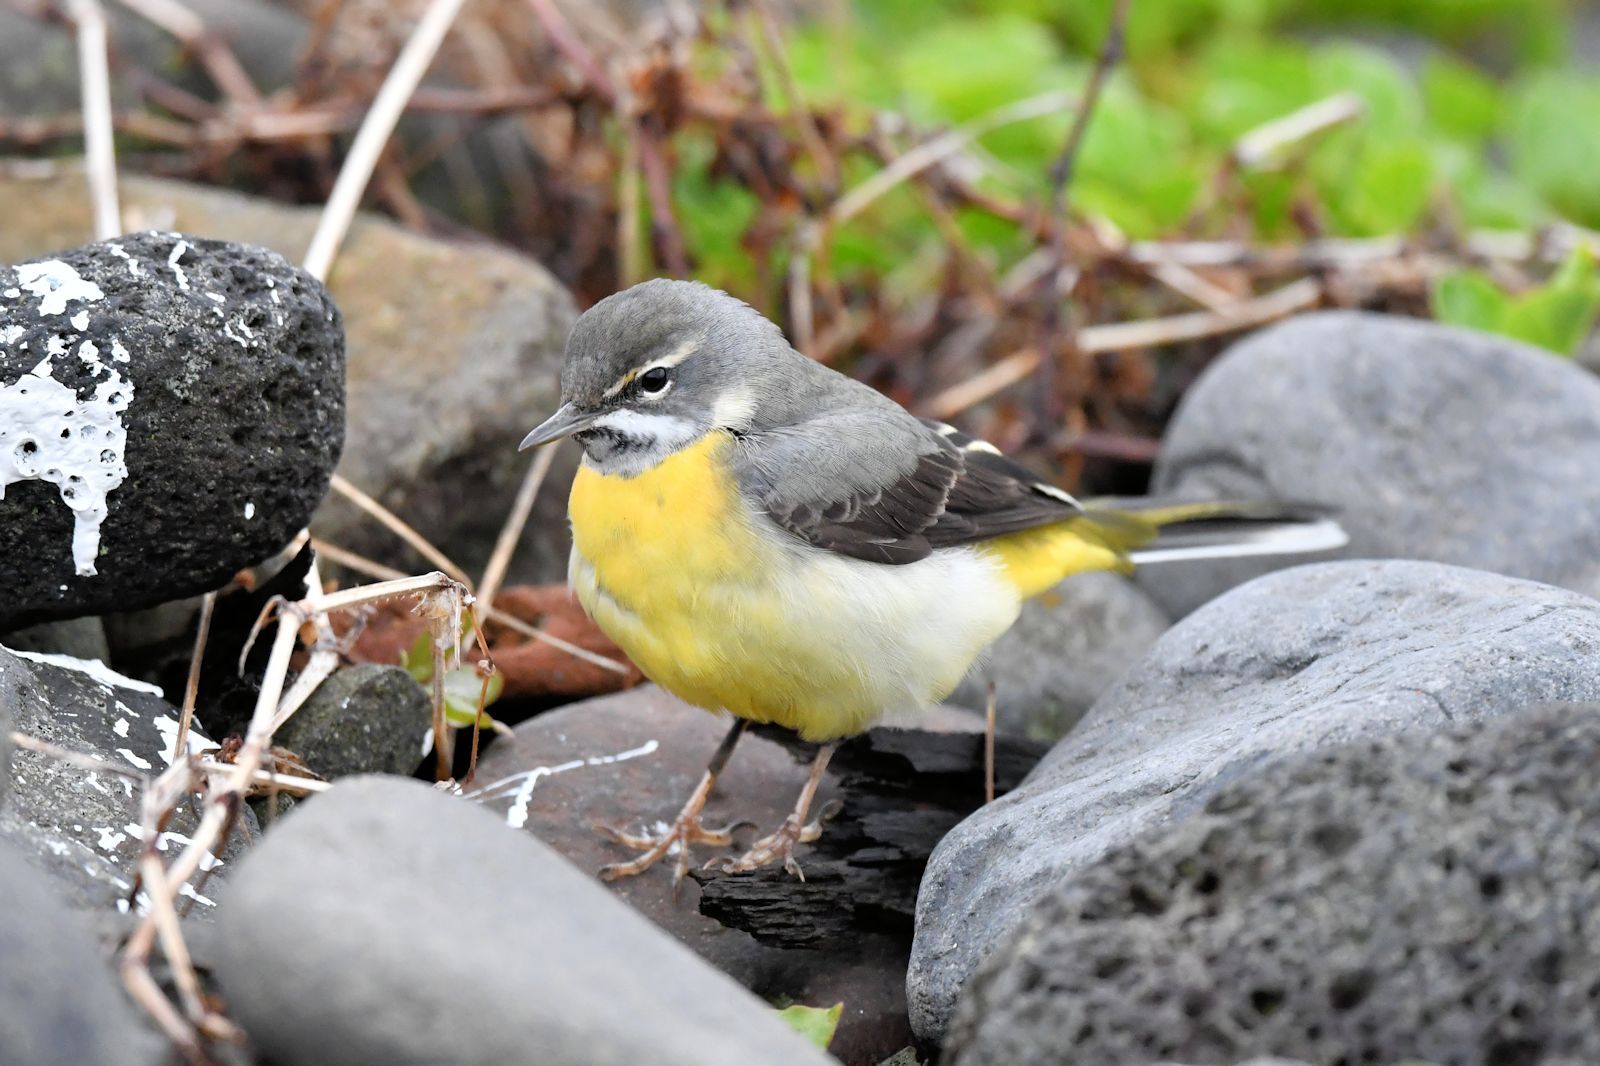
(928, 486)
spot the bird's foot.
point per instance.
(673, 839)
(779, 845)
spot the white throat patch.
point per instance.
(647, 438)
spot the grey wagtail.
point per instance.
(767, 537)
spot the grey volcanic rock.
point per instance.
(384, 922)
(1426, 441)
(82, 825)
(455, 353)
(1422, 898)
(367, 718)
(170, 412)
(5, 747)
(1066, 648)
(1291, 663)
(59, 1003)
(81, 638)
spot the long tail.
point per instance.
(1151, 531)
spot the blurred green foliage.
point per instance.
(1472, 117)
(1557, 315)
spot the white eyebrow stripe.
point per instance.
(688, 347)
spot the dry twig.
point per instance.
(95, 78)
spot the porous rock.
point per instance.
(1422, 898)
(366, 718)
(1291, 663)
(59, 1003)
(1425, 441)
(171, 410)
(386, 922)
(81, 825)
(454, 350)
(1065, 649)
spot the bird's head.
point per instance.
(656, 367)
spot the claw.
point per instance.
(684, 831)
(794, 830)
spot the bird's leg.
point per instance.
(794, 830)
(685, 829)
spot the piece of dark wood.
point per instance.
(899, 793)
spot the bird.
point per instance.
(770, 539)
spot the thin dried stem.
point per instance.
(1060, 280)
(932, 152)
(658, 188)
(990, 381)
(511, 621)
(631, 258)
(816, 146)
(399, 528)
(94, 77)
(220, 62)
(988, 745)
(1062, 170)
(409, 67)
(569, 44)
(295, 786)
(191, 686)
(1124, 336)
(1242, 315)
(1261, 146)
(506, 544)
(76, 758)
(359, 563)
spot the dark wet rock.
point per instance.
(1426, 441)
(60, 1004)
(1423, 898)
(387, 922)
(171, 409)
(81, 825)
(630, 760)
(1067, 647)
(454, 354)
(899, 790)
(81, 638)
(366, 718)
(1292, 663)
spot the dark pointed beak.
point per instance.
(564, 423)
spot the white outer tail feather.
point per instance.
(1243, 541)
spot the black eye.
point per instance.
(655, 379)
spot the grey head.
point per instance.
(656, 367)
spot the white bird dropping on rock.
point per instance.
(48, 434)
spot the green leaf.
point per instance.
(1467, 298)
(1555, 142)
(960, 69)
(1383, 189)
(816, 1024)
(418, 659)
(1393, 108)
(1559, 314)
(1461, 102)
